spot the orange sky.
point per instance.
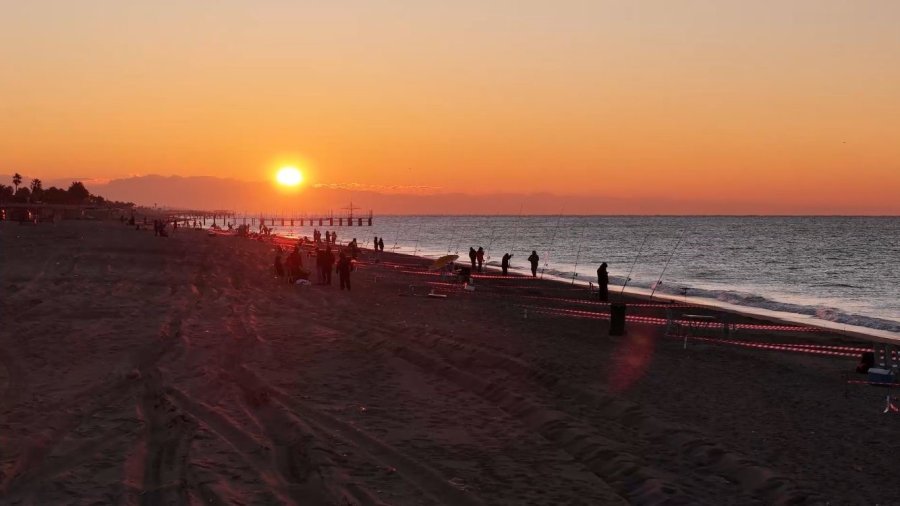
(713, 99)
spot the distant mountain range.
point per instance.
(207, 192)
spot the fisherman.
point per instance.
(344, 266)
(472, 256)
(602, 283)
(504, 263)
(534, 259)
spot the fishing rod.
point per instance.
(658, 281)
(490, 243)
(418, 236)
(577, 254)
(458, 241)
(518, 227)
(628, 277)
(553, 240)
(452, 235)
(396, 235)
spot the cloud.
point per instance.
(375, 187)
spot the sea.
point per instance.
(839, 272)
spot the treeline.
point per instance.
(35, 192)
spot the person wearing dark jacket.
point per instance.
(327, 265)
(381, 243)
(479, 255)
(472, 257)
(602, 283)
(320, 265)
(279, 267)
(344, 266)
(534, 258)
(504, 263)
(294, 265)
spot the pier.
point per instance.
(227, 217)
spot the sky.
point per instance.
(787, 103)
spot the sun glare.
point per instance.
(289, 176)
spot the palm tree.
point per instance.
(36, 185)
(17, 180)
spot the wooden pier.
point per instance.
(225, 218)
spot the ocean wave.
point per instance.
(821, 312)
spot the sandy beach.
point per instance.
(144, 370)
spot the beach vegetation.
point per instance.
(76, 194)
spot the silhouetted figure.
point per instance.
(381, 244)
(504, 263)
(344, 265)
(375, 244)
(602, 283)
(479, 256)
(534, 258)
(294, 265)
(472, 257)
(320, 265)
(279, 268)
(328, 264)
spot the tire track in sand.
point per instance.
(610, 459)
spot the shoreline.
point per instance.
(769, 315)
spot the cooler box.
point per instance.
(878, 375)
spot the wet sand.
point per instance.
(143, 370)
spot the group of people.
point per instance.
(533, 259)
(326, 262)
(477, 258)
(330, 237)
(292, 268)
(159, 228)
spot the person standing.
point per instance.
(320, 265)
(602, 283)
(479, 255)
(328, 264)
(504, 263)
(472, 257)
(279, 267)
(381, 243)
(534, 258)
(344, 265)
(294, 264)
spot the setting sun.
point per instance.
(289, 176)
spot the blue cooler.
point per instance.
(878, 375)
